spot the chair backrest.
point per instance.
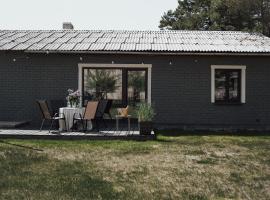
(44, 108)
(108, 106)
(90, 110)
(102, 104)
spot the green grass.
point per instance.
(172, 167)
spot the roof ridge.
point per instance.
(127, 31)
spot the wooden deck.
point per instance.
(104, 134)
(12, 124)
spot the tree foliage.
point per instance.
(236, 15)
(102, 82)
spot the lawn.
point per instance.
(175, 167)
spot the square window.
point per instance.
(228, 84)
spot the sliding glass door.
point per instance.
(125, 86)
(136, 90)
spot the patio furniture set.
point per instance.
(86, 118)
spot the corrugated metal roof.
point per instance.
(112, 46)
(97, 46)
(141, 41)
(36, 46)
(82, 47)
(128, 47)
(67, 47)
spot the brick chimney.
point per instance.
(68, 26)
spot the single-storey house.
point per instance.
(196, 79)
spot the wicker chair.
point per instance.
(46, 115)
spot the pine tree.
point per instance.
(238, 15)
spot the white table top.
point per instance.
(71, 108)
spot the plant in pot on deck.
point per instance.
(145, 113)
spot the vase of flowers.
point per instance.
(73, 98)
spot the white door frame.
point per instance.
(100, 65)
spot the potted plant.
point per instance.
(145, 113)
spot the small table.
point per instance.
(69, 113)
(117, 117)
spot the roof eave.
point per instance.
(155, 53)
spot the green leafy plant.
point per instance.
(102, 82)
(145, 112)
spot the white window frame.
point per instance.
(243, 80)
(100, 65)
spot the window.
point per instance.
(136, 91)
(228, 84)
(125, 84)
(102, 84)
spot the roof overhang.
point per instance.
(156, 53)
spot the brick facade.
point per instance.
(181, 92)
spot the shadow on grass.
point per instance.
(27, 174)
(21, 146)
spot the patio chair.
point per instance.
(46, 115)
(102, 105)
(89, 115)
(108, 107)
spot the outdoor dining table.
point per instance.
(69, 113)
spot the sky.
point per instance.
(84, 14)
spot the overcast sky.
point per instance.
(84, 14)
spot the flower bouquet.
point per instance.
(73, 98)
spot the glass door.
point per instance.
(136, 88)
(124, 86)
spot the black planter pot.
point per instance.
(145, 128)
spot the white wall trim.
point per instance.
(100, 65)
(243, 79)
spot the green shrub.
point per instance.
(145, 112)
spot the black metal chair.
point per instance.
(46, 115)
(102, 105)
(108, 107)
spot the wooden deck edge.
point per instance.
(13, 124)
(79, 137)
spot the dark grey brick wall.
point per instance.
(181, 92)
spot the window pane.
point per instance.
(220, 82)
(234, 85)
(103, 84)
(136, 89)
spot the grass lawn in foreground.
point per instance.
(178, 167)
